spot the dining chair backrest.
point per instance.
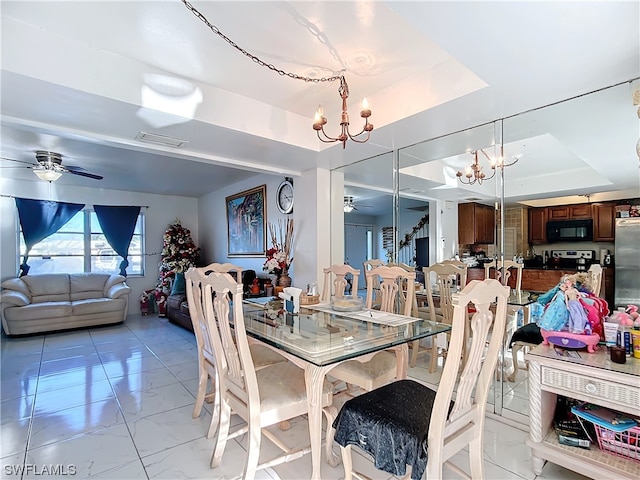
(466, 417)
(451, 423)
(195, 299)
(370, 265)
(506, 270)
(457, 263)
(447, 277)
(391, 281)
(256, 396)
(336, 282)
(206, 337)
(595, 279)
(404, 266)
(224, 268)
(404, 292)
(223, 302)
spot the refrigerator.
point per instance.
(627, 262)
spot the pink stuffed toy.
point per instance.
(632, 311)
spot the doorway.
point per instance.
(358, 248)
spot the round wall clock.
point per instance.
(284, 196)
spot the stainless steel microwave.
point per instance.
(570, 231)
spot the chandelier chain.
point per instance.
(254, 58)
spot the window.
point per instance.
(80, 246)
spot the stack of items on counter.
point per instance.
(580, 424)
(622, 333)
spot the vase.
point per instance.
(284, 280)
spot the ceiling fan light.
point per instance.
(347, 208)
(47, 175)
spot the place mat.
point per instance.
(373, 316)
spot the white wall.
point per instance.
(162, 210)
(212, 219)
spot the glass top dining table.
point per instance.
(321, 336)
(317, 339)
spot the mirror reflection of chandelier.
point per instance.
(474, 174)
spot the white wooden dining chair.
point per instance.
(336, 281)
(384, 366)
(370, 265)
(506, 269)
(445, 278)
(406, 423)
(594, 276)
(260, 397)
(208, 388)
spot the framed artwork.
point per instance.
(247, 222)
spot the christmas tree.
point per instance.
(178, 254)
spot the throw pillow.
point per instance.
(179, 285)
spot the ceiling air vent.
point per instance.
(160, 139)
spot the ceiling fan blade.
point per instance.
(16, 160)
(82, 172)
(18, 166)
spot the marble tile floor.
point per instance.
(115, 403)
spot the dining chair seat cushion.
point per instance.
(380, 364)
(283, 384)
(529, 333)
(390, 425)
(263, 356)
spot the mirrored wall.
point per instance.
(405, 203)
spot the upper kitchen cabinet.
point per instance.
(537, 226)
(604, 217)
(476, 223)
(569, 212)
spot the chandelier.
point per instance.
(320, 120)
(474, 174)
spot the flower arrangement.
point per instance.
(279, 256)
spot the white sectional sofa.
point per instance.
(60, 301)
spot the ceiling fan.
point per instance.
(50, 168)
(349, 204)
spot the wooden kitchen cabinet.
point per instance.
(537, 226)
(558, 213)
(476, 223)
(569, 212)
(604, 219)
(580, 211)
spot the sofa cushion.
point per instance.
(174, 301)
(87, 285)
(18, 285)
(113, 280)
(49, 287)
(14, 297)
(184, 307)
(179, 286)
(35, 311)
(96, 305)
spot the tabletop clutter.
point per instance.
(570, 315)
